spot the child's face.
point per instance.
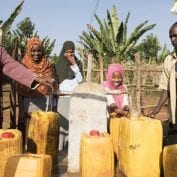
(117, 79)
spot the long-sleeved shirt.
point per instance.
(14, 69)
(70, 84)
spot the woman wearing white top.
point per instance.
(69, 72)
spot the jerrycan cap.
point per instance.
(7, 135)
(94, 133)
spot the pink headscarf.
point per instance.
(108, 83)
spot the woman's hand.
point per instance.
(71, 58)
(126, 108)
(112, 108)
(121, 112)
(45, 81)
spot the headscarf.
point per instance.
(108, 83)
(42, 69)
(62, 67)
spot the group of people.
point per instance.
(168, 85)
(37, 77)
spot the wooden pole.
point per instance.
(101, 69)
(138, 79)
(1, 95)
(89, 68)
(13, 94)
(0, 36)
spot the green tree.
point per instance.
(162, 54)
(111, 41)
(151, 50)
(6, 27)
(17, 38)
(26, 27)
(24, 30)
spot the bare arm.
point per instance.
(163, 98)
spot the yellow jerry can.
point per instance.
(170, 160)
(28, 165)
(10, 144)
(140, 147)
(114, 124)
(43, 133)
(96, 156)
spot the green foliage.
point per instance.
(25, 29)
(162, 54)
(54, 58)
(8, 39)
(151, 50)
(48, 45)
(7, 24)
(110, 41)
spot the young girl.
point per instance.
(117, 103)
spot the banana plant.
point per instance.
(127, 49)
(174, 8)
(162, 54)
(26, 32)
(48, 45)
(111, 40)
(6, 26)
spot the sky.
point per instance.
(66, 19)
